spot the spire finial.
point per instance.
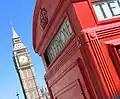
(13, 30)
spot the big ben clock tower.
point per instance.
(24, 69)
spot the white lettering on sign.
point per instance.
(107, 9)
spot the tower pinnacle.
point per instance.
(17, 44)
(15, 35)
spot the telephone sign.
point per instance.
(107, 9)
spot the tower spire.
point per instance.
(17, 44)
(15, 35)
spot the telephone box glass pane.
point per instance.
(60, 39)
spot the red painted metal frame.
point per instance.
(115, 54)
(83, 69)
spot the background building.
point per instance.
(24, 67)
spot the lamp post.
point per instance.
(17, 95)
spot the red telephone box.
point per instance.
(79, 42)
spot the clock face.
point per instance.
(23, 60)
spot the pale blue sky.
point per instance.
(20, 12)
